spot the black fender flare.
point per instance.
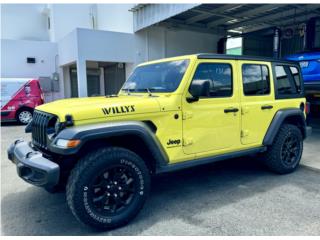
(87, 133)
(277, 121)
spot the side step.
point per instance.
(207, 160)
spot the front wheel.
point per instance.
(108, 187)
(284, 155)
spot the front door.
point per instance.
(212, 124)
(257, 101)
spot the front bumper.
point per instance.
(32, 166)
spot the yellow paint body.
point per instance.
(202, 127)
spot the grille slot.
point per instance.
(39, 128)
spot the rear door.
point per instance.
(257, 100)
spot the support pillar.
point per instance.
(276, 43)
(82, 78)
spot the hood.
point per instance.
(101, 107)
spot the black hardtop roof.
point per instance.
(242, 57)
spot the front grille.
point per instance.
(40, 123)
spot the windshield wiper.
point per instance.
(126, 89)
(149, 92)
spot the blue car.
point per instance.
(310, 68)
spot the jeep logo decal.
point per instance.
(116, 110)
(173, 142)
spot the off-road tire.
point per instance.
(79, 186)
(273, 157)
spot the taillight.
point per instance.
(307, 108)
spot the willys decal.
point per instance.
(117, 110)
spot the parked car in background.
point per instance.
(19, 97)
(310, 66)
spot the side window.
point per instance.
(288, 80)
(218, 76)
(296, 76)
(256, 80)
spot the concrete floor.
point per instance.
(236, 197)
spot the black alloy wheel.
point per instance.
(113, 190)
(290, 151)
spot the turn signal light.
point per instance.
(64, 143)
(73, 143)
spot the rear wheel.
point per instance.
(108, 187)
(24, 116)
(284, 155)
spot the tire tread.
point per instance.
(271, 156)
(76, 176)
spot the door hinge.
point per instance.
(187, 141)
(244, 110)
(187, 115)
(244, 133)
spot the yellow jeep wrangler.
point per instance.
(170, 114)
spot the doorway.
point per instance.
(93, 82)
(114, 77)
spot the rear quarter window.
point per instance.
(287, 81)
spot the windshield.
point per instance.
(158, 77)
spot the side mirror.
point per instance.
(197, 89)
(192, 99)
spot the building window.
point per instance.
(218, 76)
(256, 80)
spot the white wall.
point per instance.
(186, 42)
(66, 17)
(83, 45)
(68, 48)
(14, 55)
(129, 69)
(157, 42)
(105, 46)
(30, 21)
(115, 17)
(24, 22)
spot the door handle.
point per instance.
(266, 107)
(229, 110)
